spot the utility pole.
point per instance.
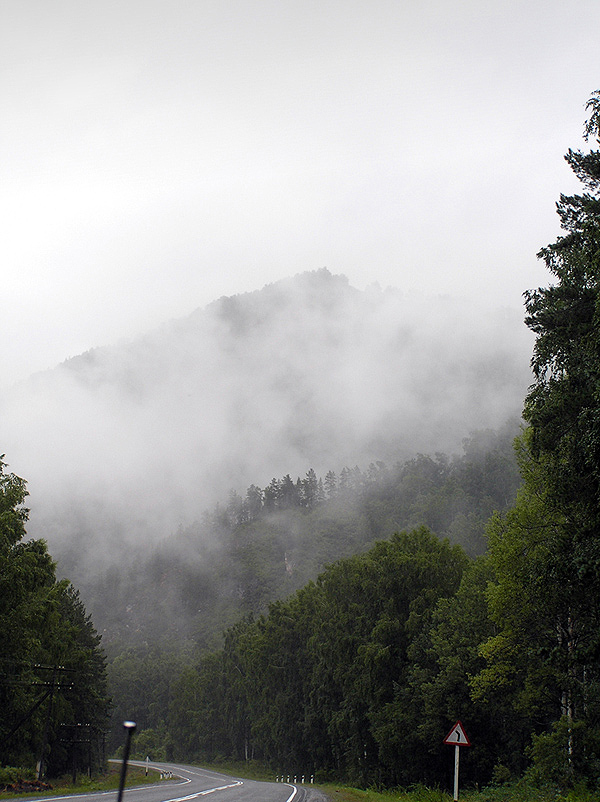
(40, 765)
(80, 734)
(56, 682)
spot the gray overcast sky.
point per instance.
(157, 154)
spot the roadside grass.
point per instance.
(254, 770)
(341, 793)
(517, 791)
(105, 782)
(511, 792)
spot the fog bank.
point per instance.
(124, 444)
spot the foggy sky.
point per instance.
(123, 445)
(158, 155)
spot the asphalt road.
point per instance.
(192, 783)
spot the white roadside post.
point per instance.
(457, 737)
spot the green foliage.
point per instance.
(539, 662)
(52, 671)
(436, 690)
(530, 601)
(269, 543)
(570, 751)
(562, 407)
(11, 774)
(543, 659)
(155, 744)
(333, 650)
(304, 684)
(141, 681)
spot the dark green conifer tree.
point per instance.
(52, 670)
(546, 551)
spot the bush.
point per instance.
(9, 775)
(567, 756)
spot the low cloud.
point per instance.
(124, 444)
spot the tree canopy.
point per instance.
(545, 597)
(563, 406)
(52, 671)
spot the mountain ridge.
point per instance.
(124, 443)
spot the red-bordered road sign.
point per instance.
(457, 736)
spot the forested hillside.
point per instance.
(125, 445)
(337, 622)
(360, 673)
(322, 683)
(163, 614)
(269, 542)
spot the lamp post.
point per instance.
(129, 730)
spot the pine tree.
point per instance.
(546, 551)
(563, 407)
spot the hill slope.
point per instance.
(270, 542)
(125, 444)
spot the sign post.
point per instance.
(457, 737)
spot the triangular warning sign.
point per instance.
(457, 736)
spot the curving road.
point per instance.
(192, 783)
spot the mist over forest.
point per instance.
(313, 525)
(125, 444)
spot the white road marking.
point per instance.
(293, 794)
(203, 793)
(145, 787)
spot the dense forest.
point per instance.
(269, 542)
(172, 608)
(337, 625)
